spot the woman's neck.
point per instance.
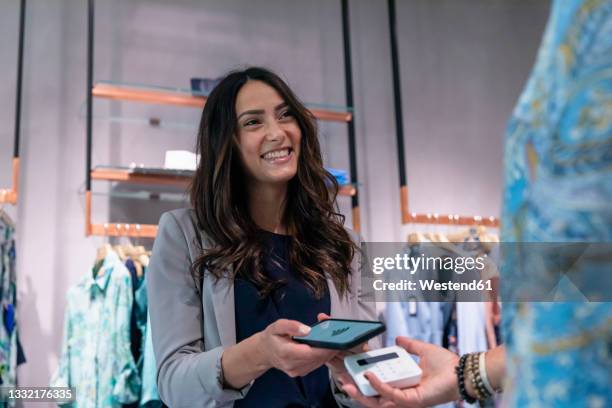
(267, 206)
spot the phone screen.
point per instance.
(340, 331)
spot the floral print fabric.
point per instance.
(558, 162)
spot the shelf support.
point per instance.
(10, 196)
(348, 76)
(407, 216)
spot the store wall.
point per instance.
(463, 64)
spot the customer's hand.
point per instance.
(336, 364)
(281, 352)
(438, 382)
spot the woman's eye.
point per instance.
(251, 122)
(286, 114)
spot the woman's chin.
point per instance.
(279, 179)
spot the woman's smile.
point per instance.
(278, 156)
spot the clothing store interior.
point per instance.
(441, 128)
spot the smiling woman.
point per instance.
(246, 183)
(268, 137)
(262, 256)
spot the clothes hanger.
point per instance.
(415, 237)
(101, 254)
(103, 251)
(144, 260)
(120, 252)
(439, 236)
(459, 236)
(431, 234)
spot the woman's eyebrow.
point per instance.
(251, 112)
(281, 106)
(261, 111)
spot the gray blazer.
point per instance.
(191, 331)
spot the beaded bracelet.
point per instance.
(460, 371)
(469, 368)
(474, 371)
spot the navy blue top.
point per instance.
(293, 300)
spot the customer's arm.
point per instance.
(438, 383)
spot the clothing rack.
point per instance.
(176, 97)
(448, 219)
(407, 216)
(9, 196)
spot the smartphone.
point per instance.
(341, 334)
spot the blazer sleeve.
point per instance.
(187, 376)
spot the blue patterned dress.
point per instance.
(558, 175)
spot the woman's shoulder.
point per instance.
(181, 224)
(182, 218)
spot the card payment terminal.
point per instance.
(392, 365)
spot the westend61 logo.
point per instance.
(339, 331)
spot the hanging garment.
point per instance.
(459, 326)
(138, 320)
(149, 397)
(96, 357)
(558, 188)
(471, 324)
(417, 318)
(11, 353)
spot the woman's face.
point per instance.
(268, 134)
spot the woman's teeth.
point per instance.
(276, 154)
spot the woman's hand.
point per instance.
(438, 382)
(281, 352)
(336, 364)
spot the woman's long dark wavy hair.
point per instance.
(319, 243)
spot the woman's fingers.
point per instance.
(322, 316)
(289, 328)
(302, 356)
(362, 348)
(344, 378)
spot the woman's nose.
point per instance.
(274, 131)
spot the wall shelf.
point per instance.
(446, 219)
(187, 98)
(126, 175)
(180, 97)
(124, 230)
